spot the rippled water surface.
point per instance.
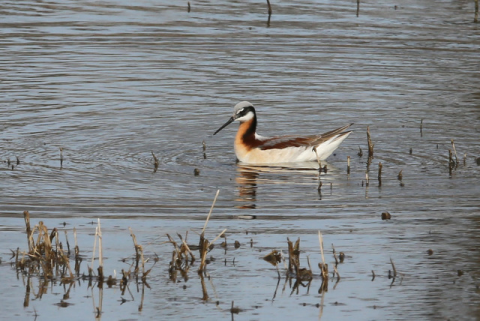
(91, 88)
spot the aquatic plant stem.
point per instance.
(210, 213)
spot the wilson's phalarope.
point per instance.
(252, 148)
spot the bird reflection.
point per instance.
(247, 186)
(248, 177)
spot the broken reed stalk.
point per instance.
(43, 251)
(269, 13)
(293, 257)
(67, 263)
(26, 216)
(455, 151)
(370, 143)
(156, 162)
(77, 253)
(358, 7)
(203, 249)
(366, 179)
(218, 236)
(210, 213)
(335, 255)
(58, 247)
(380, 174)
(323, 266)
(421, 127)
(451, 162)
(49, 253)
(90, 270)
(138, 250)
(100, 253)
(348, 164)
(320, 240)
(204, 246)
(185, 248)
(393, 268)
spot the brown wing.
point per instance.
(306, 141)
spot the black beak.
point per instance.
(225, 125)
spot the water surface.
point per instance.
(111, 82)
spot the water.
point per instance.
(112, 82)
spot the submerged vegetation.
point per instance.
(49, 258)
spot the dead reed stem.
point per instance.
(323, 266)
(94, 248)
(155, 159)
(335, 255)
(210, 213)
(320, 240)
(218, 236)
(68, 244)
(370, 143)
(204, 244)
(451, 162)
(380, 174)
(137, 249)
(100, 253)
(26, 216)
(455, 152)
(293, 256)
(393, 268)
(77, 253)
(204, 247)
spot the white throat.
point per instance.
(247, 117)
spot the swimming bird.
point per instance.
(252, 148)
